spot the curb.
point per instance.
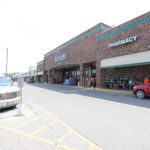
(104, 90)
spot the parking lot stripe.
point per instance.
(37, 138)
(42, 128)
(27, 122)
(63, 137)
(81, 136)
(5, 120)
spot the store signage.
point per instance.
(122, 42)
(59, 58)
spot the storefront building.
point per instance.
(112, 56)
(32, 74)
(75, 61)
(40, 71)
(123, 53)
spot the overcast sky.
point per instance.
(31, 28)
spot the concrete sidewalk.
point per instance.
(94, 89)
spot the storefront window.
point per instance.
(88, 72)
(78, 73)
(72, 73)
(94, 72)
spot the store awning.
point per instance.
(126, 60)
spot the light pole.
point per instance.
(6, 60)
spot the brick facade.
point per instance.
(82, 48)
(142, 31)
(92, 46)
(40, 66)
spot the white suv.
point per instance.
(9, 95)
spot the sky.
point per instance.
(31, 28)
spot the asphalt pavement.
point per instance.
(65, 117)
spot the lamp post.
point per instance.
(6, 60)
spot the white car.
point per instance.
(9, 95)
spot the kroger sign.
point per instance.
(59, 58)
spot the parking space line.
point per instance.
(42, 128)
(32, 135)
(53, 143)
(63, 137)
(5, 120)
(67, 126)
(37, 138)
(27, 122)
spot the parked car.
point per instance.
(31, 80)
(141, 90)
(9, 95)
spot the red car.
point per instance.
(141, 90)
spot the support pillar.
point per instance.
(44, 76)
(82, 74)
(100, 75)
(49, 73)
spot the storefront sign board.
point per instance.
(59, 58)
(122, 42)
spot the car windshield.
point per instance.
(5, 81)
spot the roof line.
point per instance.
(124, 28)
(76, 39)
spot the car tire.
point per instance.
(140, 94)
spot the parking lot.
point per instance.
(62, 117)
(39, 124)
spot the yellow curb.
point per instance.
(104, 90)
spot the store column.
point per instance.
(100, 75)
(45, 72)
(82, 74)
(49, 72)
(43, 76)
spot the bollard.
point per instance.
(21, 109)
